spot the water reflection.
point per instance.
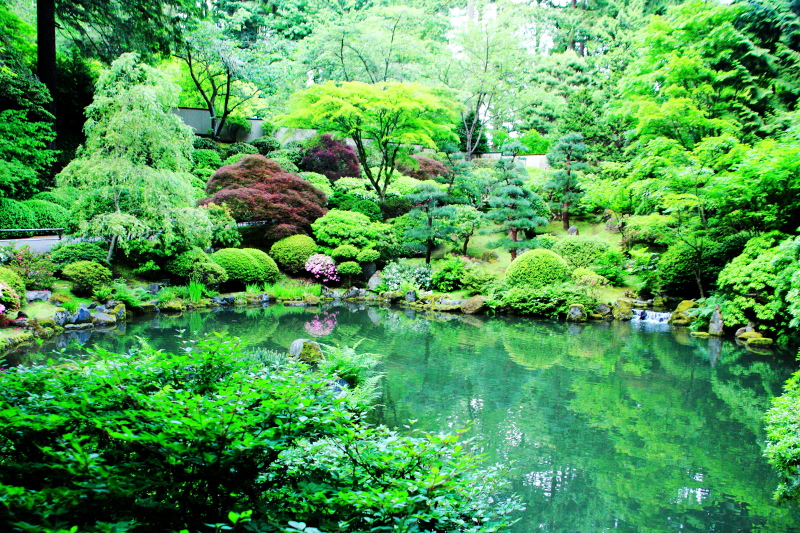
(630, 427)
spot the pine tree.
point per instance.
(568, 158)
(432, 219)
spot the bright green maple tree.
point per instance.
(381, 118)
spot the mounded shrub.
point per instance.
(425, 169)
(266, 144)
(9, 298)
(368, 255)
(344, 252)
(319, 181)
(349, 268)
(285, 162)
(368, 208)
(239, 265)
(269, 270)
(331, 158)
(47, 214)
(204, 143)
(184, 263)
(62, 196)
(322, 267)
(292, 252)
(12, 279)
(208, 273)
(344, 202)
(206, 159)
(13, 215)
(86, 276)
(240, 148)
(579, 252)
(537, 268)
(78, 251)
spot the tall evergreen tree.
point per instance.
(568, 158)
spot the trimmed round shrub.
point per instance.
(349, 268)
(204, 143)
(368, 208)
(209, 273)
(12, 279)
(344, 252)
(86, 276)
(579, 252)
(47, 214)
(319, 181)
(206, 159)
(78, 251)
(240, 148)
(292, 252)
(266, 144)
(269, 270)
(239, 265)
(9, 298)
(537, 268)
(368, 255)
(183, 264)
(13, 215)
(395, 206)
(344, 202)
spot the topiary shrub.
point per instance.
(209, 273)
(47, 214)
(204, 143)
(13, 215)
(71, 252)
(86, 276)
(579, 252)
(319, 181)
(425, 168)
(343, 202)
(349, 268)
(206, 159)
(240, 148)
(12, 279)
(183, 265)
(266, 144)
(537, 268)
(347, 227)
(368, 255)
(269, 270)
(331, 158)
(292, 252)
(239, 265)
(344, 252)
(368, 208)
(395, 206)
(9, 299)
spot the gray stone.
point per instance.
(306, 350)
(573, 230)
(603, 309)
(38, 296)
(576, 313)
(104, 320)
(61, 317)
(368, 269)
(153, 288)
(267, 298)
(81, 316)
(352, 292)
(85, 325)
(411, 296)
(474, 305)
(375, 281)
(715, 325)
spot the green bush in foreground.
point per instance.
(239, 265)
(783, 446)
(537, 268)
(86, 276)
(148, 441)
(292, 252)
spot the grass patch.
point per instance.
(285, 291)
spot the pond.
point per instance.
(608, 426)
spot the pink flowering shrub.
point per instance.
(322, 268)
(36, 269)
(9, 299)
(320, 327)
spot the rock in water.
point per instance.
(306, 350)
(104, 320)
(679, 317)
(375, 281)
(576, 313)
(81, 316)
(623, 309)
(411, 296)
(715, 326)
(474, 305)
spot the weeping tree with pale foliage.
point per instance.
(132, 175)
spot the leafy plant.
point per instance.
(449, 276)
(86, 276)
(130, 297)
(252, 288)
(70, 305)
(196, 291)
(418, 276)
(167, 294)
(36, 269)
(102, 294)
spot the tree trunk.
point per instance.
(513, 234)
(111, 249)
(466, 242)
(565, 215)
(699, 278)
(46, 50)
(428, 251)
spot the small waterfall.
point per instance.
(653, 317)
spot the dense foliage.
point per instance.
(86, 276)
(331, 158)
(291, 253)
(537, 268)
(243, 267)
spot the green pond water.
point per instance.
(607, 427)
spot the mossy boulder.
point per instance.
(104, 320)
(59, 298)
(306, 350)
(623, 309)
(119, 312)
(679, 316)
(172, 306)
(576, 313)
(759, 341)
(747, 335)
(700, 334)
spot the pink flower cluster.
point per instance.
(322, 268)
(321, 326)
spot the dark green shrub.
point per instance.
(183, 264)
(266, 144)
(206, 159)
(345, 202)
(679, 265)
(47, 214)
(550, 301)
(132, 442)
(396, 206)
(13, 215)
(477, 281)
(208, 273)
(292, 252)
(239, 265)
(9, 298)
(86, 276)
(71, 252)
(368, 208)
(349, 268)
(12, 279)
(204, 143)
(579, 252)
(62, 196)
(449, 276)
(344, 252)
(269, 270)
(368, 255)
(240, 148)
(609, 265)
(537, 268)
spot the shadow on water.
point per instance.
(608, 426)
